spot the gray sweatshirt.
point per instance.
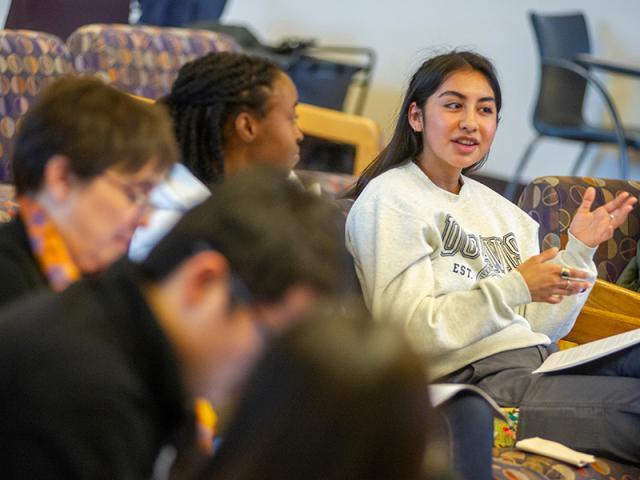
(444, 265)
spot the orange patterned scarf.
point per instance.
(47, 245)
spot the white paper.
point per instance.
(555, 450)
(588, 351)
(441, 392)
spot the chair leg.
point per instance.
(580, 159)
(624, 163)
(510, 191)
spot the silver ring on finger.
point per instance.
(566, 287)
(612, 217)
(565, 273)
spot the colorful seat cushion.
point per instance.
(141, 59)
(505, 431)
(513, 464)
(552, 202)
(28, 62)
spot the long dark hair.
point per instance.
(209, 91)
(337, 398)
(406, 143)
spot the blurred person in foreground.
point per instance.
(97, 379)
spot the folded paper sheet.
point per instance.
(555, 450)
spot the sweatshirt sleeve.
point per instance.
(556, 321)
(393, 253)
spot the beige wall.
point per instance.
(403, 32)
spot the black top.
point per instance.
(89, 386)
(19, 270)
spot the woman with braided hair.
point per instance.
(231, 111)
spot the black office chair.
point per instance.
(323, 74)
(566, 70)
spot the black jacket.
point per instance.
(89, 386)
(19, 270)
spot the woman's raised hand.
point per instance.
(594, 227)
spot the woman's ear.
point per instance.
(245, 127)
(414, 116)
(57, 178)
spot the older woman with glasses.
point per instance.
(84, 161)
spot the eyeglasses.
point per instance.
(137, 195)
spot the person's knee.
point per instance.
(471, 407)
(468, 420)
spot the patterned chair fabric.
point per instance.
(512, 464)
(140, 59)
(28, 62)
(552, 202)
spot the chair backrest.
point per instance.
(552, 202)
(28, 62)
(561, 92)
(561, 36)
(140, 59)
(322, 82)
(242, 34)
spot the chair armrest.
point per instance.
(615, 299)
(609, 310)
(599, 87)
(362, 132)
(337, 126)
(142, 99)
(621, 68)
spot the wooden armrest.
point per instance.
(609, 310)
(361, 132)
(142, 99)
(615, 299)
(342, 127)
